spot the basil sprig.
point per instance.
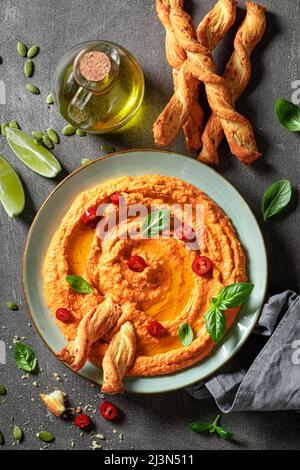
(288, 115)
(211, 427)
(229, 297)
(79, 284)
(155, 223)
(185, 334)
(276, 198)
(25, 357)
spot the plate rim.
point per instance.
(243, 340)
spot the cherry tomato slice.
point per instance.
(108, 410)
(63, 314)
(201, 265)
(137, 263)
(115, 198)
(82, 421)
(155, 329)
(90, 215)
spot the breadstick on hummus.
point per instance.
(118, 358)
(237, 74)
(237, 128)
(181, 108)
(93, 326)
(176, 56)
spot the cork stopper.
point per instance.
(94, 66)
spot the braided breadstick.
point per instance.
(237, 74)
(93, 326)
(213, 28)
(176, 56)
(118, 358)
(238, 130)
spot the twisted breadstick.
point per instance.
(118, 358)
(238, 130)
(237, 74)
(176, 113)
(176, 56)
(93, 326)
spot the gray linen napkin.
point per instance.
(265, 374)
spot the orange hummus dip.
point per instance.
(167, 290)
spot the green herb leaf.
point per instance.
(2, 390)
(235, 294)
(155, 223)
(45, 436)
(223, 433)
(25, 357)
(12, 305)
(18, 434)
(79, 284)
(215, 323)
(199, 427)
(288, 115)
(185, 334)
(276, 198)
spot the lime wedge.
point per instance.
(35, 156)
(11, 189)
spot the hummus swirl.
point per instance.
(167, 291)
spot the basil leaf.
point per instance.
(276, 198)
(79, 284)
(215, 323)
(223, 433)
(288, 115)
(199, 427)
(185, 334)
(234, 295)
(155, 223)
(25, 357)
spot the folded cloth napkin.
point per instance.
(265, 374)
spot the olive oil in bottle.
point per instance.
(98, 86)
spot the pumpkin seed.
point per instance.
(84, 161)
(47, 142)
(12, 305)
(18, 434)
(68, 130)
(32, 89)
(2, 390)
(1, 439)
(50, 99)
(14, 124)
(33, 51)
(28, 68)
(22, 49)
(37, 135)
(3, 129)
(80, 133)
(53, 136)
(107, 148)
(45, 436)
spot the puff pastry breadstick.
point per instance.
(237, 74)
(118, 358)
(238, 130)
(212, 29)
(176, 56)
(93, 326)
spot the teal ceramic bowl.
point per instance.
(139, 162)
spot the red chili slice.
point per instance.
(108, 410)
(82, 421)
(155, 329)
(115, 198)
(184, 233)
(63, 314)
(90, 215)
(201, 265)
(137, 263)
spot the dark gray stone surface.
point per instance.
(150, 422)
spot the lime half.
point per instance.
(11, 189)
(34, 155)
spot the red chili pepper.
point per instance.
(115, 198)
(90, 215)
(82, 421)
(184, 233)
(137, 263)
(155, 329)
(108, 410)
(63, 314)
(201, 265)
